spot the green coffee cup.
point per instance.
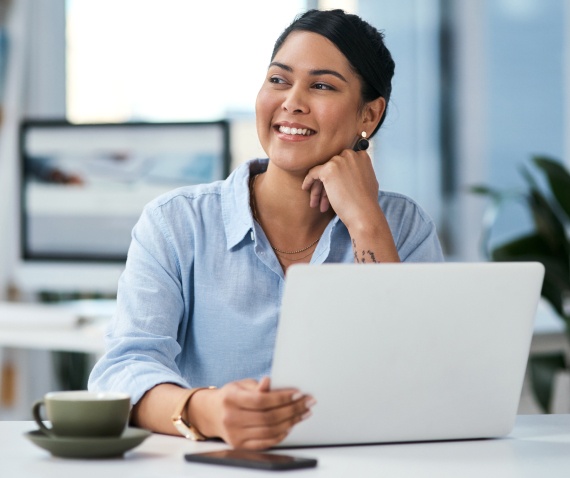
(83, 413)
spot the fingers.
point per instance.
(265, 433)
(264, 384)
(247, 399)
(316, 190)
(346, 183)
(324, 203)
(288, 414)
(318, 194)
(261, 443)
(319, 175)
(258, 417)
(247, 384)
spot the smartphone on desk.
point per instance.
(252, 459)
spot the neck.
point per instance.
(283, 210)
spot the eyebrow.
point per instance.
(311, 72)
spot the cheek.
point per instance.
(261, 114)
(259, 104)
(264, 104)
(341, 120)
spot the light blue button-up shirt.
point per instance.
(198, 302)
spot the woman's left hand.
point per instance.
(348, 184)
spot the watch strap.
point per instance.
(186, 429)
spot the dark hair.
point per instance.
(361, 44)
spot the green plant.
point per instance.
(547, 197)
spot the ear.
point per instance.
(372, 113)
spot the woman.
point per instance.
(199, 300)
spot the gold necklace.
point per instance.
(254, 211)
(291, 259)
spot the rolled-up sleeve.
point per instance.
(141, 341)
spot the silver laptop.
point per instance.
(406, 352)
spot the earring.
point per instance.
(362, 144)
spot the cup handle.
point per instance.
(36, 407)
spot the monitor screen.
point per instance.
(83, 187)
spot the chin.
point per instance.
(292, 164)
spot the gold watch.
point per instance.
(185, 428)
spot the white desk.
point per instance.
(538, 447)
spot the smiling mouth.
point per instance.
(297, 131)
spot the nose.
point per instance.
(295, 101)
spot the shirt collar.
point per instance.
(236, 211)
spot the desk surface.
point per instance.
(539, 446)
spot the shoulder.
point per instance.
(400, 207)
(186, 195)
(413, 229)
(199, 209)
(207, 195)
(178, 215)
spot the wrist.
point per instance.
(200, 412)
(372, 241)
(368, 227)
(367, 221)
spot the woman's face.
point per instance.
(307, 110)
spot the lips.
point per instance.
(294, 129)
(299, 131)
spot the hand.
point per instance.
(348, 184)
(247, 414)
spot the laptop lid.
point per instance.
(406, 352)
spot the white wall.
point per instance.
(35, 87)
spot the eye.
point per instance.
(322, 86)
(276, 80)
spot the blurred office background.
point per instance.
(480, 86)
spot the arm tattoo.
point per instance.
(362, 259)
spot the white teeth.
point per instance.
(301, 131)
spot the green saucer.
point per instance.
(89, 447)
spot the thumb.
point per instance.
(264, 384)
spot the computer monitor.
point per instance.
(83, 186)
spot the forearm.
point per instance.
(154, 410)
(372, 240)
(245, 414)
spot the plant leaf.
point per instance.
(532, 245)
(547, 222)
(497, 199)
(543, 369)
(558, 178)
(556, 285)
(480, 189)
(495, 193)
(549, 219)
